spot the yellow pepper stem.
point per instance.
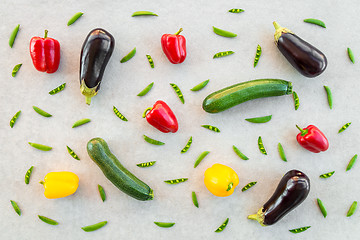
(229, 187)
(41, 182)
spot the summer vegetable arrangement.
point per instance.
(219, 179)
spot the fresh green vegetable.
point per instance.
(48, 220)
(329, 96)
(257, 55)
(117, 113)
(146, 164)
(223, 54)
(296, 100)
(94, 227)
(146, 90)
(282, 152)
(264, 119)
(178, 92)
(41, 112)
(16, 207)
(223, 226)
(327, 175)
(74, 18)
(247, 186)
(16, 69)
(322, 207)
(81, 122)
(351, 55)
(164, 224)
(212, 128)
(200, 158)
(351, 163)
(151, 61)
(344, 127)
(188, 144)
(352, 209)
(200, 86)
(315, 21)
(40, 146)
(14, 118)
(299, 230)
(245, 91)
(176, 181)
(236, 10)
(102, 193)
(240, 154)
(28, 175)
(13, 35)
(58, 89)
(261, 146)
(194, 199)
(129, 56)
(223, 33)
(143, 13)
(113, 170)
(72, 153)
(152, 141)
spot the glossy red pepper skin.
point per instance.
(174, 47)
(45, 53)
(162, 117)
(312, 139)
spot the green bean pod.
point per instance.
(240, 154)
(178, 92)
(223, 54)
(261, 146)
(200, 86)
(187, 146)
(152, 141)
(296, 100)
(211, 128)
(299, 230)
(247, 186)
(28, 175)
(151, 61)
(58, 89)
(327, 175)
(14, 118)
(257, 55)
(146, 164)
(222, 226)
(129, 56)
(176, 181)
(117, 113)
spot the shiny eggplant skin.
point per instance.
(95, 54)
(304, 57)
(292, 190)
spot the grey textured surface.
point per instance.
(131, 219)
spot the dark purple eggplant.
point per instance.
(304, 57)
(291, 191)
(95, 54)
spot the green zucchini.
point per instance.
(122, 178)
(245, 91)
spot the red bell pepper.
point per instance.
(161, 117)
(312, 139)
(45, 53)
(174, 47)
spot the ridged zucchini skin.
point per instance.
(122, 178)
(233, 95)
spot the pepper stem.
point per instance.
(87, 100)
(41, 182)
(229, 187)
(178, 32)
(303, 132)
(145, 112)
(46, 33)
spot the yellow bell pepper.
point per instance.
(60, 184)
(221, 180)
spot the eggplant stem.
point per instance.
(145, 112)
(259, 216)
(88, 100)
(276, 25)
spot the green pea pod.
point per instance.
(118, 114)
(129, 56)
(327, 175)
(48, 220)
(28, 175)
(351, 55)
(352, 209)
(74, 18)
(299, 230)
(315, 21)
(282, 152)
(247, 186)
(223, 33)
(257, 55)
(146, 164)
(152, 141)
(200, 86)
(40, 146)
(264, 119)
(57, 89)
(164, 224)
(151, 61)
(14, 118)
(344, 127)
(80, 122)
(351, 163)
(41, 112)
(176, 181)
(223, 54)
(223, 226)
(72, 153)
(178, 92)
(236, 10)
(146, 90)
(13, 35)
(187, 146)
(200, 158)
(322, 207)
(240, 154)
(94, 227)
(16, 69)
(261, 146)
(16, 207)
(194, 199)
(143, 13)
(102, 193)
(296, 100)
(211, 128)
(329, 96)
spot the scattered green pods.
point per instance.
(74, 18)
(329, 96)
(152, 141)
(194, 199)
(40, 146)
(58, 89)
(94, 227)
(81, 122)
(28, 175)
(352, 209)
(188, 144)
(282, 152)
(146, 90)
(236, 10)
(315, 21)
(16, 207)
(344, 127)
(16, 69)
(72, 153)
(13, 35)
(14, 118)
(41, 112)
(327, 175)
(223, 54)
(151, 61)
(48, 220)
(143, 13)
(264, 119)
(247, 186)
(176, 181)
(164, 224)
(351, 55)
(117, 113)
(240, 154)
(200, 158)
(146, 164)
(178, 92)
(102, 193)
(223, 226)
(296, 100)
(299, 230)
(129, 56)
(322, 207)
(200, 86)
(223, 33)
(261, 146)
(351, 163)
(257, 55)
(212, 128)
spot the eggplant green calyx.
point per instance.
(279, 31)
(259, 216)
(88, 92)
